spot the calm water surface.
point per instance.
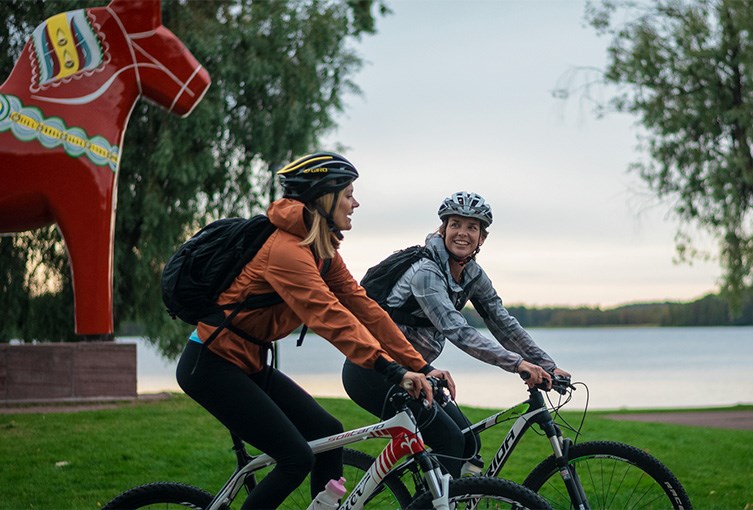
(623, 367)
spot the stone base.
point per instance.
(67, 372)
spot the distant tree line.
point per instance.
(710, 310)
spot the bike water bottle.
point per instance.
(329, 498)
(472, 466)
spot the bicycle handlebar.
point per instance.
(560, 383)
(438, 387)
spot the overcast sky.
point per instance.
(457, 95)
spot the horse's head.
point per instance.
(167, 73)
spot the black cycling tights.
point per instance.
(271, 413)
(440, 426)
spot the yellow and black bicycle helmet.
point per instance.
(314, 175)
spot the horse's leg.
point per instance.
(86, 219)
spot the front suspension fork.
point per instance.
(561, 447)
(437, 482)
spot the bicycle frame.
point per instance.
(405, 440)
(567, 459)
(533, 411)
(529, 412)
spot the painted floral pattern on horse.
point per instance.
(65, 45)
(29, 124)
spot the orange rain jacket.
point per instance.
(335, 306)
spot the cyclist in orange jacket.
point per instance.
(259, 403)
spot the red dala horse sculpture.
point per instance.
(63, 114)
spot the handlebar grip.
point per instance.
(525, 375)
(437, 385)
(560, 384)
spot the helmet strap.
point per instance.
(459, 260)
(329, 216)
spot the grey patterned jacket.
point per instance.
(440, 299)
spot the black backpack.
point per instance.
(206, 265)
(381, 278)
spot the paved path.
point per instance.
(738, 420)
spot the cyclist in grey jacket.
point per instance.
(425, 302)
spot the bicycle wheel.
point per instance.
(392, 494)
(161, 495)
(613, 475)
(485, 492)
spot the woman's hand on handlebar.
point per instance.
(536, 374)
(415, 383)
(560, 372)
(444, 374)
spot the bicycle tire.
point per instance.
(613, 475)
(162, 494)
(485, 492)
(392, 493)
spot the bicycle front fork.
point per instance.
(561, 448)
(438, 483)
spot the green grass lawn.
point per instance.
(81, 460)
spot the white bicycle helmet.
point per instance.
(468, 205)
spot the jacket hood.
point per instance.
(435, 245)
(439, 254)
(287, 214)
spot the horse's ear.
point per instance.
(138, 15)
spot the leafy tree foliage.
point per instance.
(685, 68)
(279, 71)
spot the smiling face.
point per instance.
(462, 236)
(345, 207)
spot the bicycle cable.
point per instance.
(563, 422)
(386, 400)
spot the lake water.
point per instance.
(623, 367)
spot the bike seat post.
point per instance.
(239, 448)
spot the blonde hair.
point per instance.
(322, 241)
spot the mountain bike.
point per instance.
(372, 490)
(588, 475)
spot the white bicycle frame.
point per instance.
(406, 440)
